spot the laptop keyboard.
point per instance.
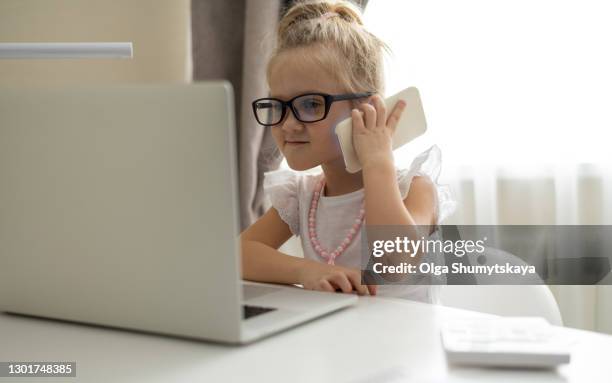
(252, 311)
(254, 291)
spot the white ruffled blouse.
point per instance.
(291, 192)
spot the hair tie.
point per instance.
(329, 15)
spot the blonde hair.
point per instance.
(349, 52)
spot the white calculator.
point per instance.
(528, 342)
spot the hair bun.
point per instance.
(347, 11)
(303, 10)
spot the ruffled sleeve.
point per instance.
(429, 163)
(281, 187)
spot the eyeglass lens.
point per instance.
(308, 108)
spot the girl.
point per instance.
(327, 67)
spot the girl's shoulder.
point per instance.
(428, 164)
(286, 190)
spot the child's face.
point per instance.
(306, 145)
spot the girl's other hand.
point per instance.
(373, 130)
(324, 277)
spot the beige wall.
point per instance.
(159, 30)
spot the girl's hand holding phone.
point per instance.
(373, 130)
(324, 277)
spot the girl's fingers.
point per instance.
(326, 286)
(358, 126)
(381, 110)
(341, 281)
(372, 289)
(369, 115)
(395, 114)
(355, 279)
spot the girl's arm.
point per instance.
(372, 132)
(415, 215)
(384, 204)
(262, 262)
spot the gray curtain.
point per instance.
(217, 29)
(232, 40)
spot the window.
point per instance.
(504, 82)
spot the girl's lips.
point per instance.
(296, 142)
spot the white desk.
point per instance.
(379, 340)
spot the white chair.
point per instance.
(504, 300)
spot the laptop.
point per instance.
(119, 207)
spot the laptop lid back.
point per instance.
(118, 206)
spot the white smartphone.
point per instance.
(411, 125)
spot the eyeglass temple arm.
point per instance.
(352, 96)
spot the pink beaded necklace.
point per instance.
(330, 256)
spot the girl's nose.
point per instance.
(291, 124)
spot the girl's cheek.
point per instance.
(324, 138)
(276, 134)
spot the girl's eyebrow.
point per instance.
(295, 94)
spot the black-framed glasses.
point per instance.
(310, 107)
